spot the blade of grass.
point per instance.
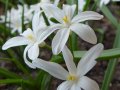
(112, 64)
(106, 55)
(108, 14)
(5, 73)
(16, 81)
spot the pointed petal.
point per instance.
(88, 60)
(60, 40)
(85, 32)
(69, 60)
(25, 58)
(38, 22)
(65, 86)
(88, 84)
(81, 4)
(33, 52)
(69, 10)
(52, 68)
(44, 33)
(15, 41)
(75, 87)
(87, 15)
(54, 11)
(56, 2)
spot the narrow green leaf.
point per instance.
(5, 73)
(108, 14)
(16, 81)
(112, 64)
(45, 82)
(106, 54)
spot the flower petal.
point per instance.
(81, 4)
(87, 15)
(27, 32)
(85, 32)
(44, 33)
(69, 10)
(88, 84)
(15, 41)
(88, 60)
(38, 22)
(104, 2)
(54, 11)
(25, 58)
(52, 68)
(33, 52)
(65, 86)
(60, 40)
(69, 60)
(75, 87)
(56, 2)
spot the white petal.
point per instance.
(15, 41)
(69, 10)
(56, 2)
(25, 58)
(33, 52)
(57, 13)
(75, 87)
(104, 2)
(88, 60)
(60, 40)
(81, 4)
(87, 15)
(69, 60)
(52, 68)
(88, 84)
(27, 32)
(65, 86)
(38, 22)
(44, 33)
(85, 32)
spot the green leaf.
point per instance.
(112, 64)
(16, 81)
(45, 82)
(106, 54)
(108, 14)
(5, 73)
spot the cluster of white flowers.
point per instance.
(68, 22)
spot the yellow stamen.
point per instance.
(71, 78)
(66, 19)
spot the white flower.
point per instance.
(105, 2)
(75, 79)
(36, 7)
(81, 4)
(69, 23)
(14, 17)
(2, 17)
(31, 38)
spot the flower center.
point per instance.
(30, 37)
(66, 19)
(71, 78)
